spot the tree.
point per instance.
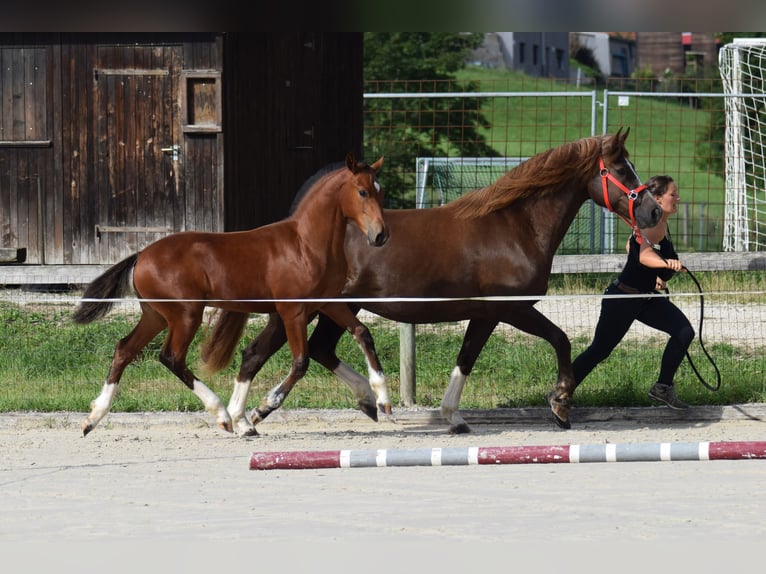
(407, 62)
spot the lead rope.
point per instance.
(702, 345)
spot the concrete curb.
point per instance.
(404, 416)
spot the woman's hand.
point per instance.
(674, 264)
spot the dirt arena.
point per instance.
(168, 480)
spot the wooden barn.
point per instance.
(676, 52)
(111, 141)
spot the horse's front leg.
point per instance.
(295, 324)
(181, 330)
(371, 394)
(530, 320)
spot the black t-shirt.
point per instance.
(640, 276)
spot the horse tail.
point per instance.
(218, 347)
(113, 283)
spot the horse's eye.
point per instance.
(362, 192)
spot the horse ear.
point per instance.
(624, 136)
(377, 165)
(351, 162)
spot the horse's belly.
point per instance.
(429, 311)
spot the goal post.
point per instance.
(451, 177)
(742, 66)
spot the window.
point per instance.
(23, 97)
(201, 100)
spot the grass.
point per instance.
(51, 364)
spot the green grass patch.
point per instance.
(50, 364)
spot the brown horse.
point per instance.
(493, 242)
(284, 268)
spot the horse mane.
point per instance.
(540, 174)
(311, 182)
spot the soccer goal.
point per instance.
(742, 66)
(442, 179)
(439, 180)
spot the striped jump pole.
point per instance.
(454, 456)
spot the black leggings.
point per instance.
(618, 314)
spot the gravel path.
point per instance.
(173, 478)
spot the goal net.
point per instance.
(742, 65)
(439, 180)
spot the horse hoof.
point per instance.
(250, 432)
(86, 428)
(461, 428)
(226, 426)
(560, 410)
(566, 425)
(370, 410)
(385, 409)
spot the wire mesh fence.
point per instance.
(677, 125)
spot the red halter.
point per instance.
(631, 193)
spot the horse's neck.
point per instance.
(551, 214)
(321, 227)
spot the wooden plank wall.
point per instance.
(174, 196)
(297, 111)
(52, 194)
(292, 103)
(27, 218)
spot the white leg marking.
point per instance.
(378, 384)
(237, 406)
(356, 382)
(275, 397)
(271, 402)
(102, 404)
(212, 402)
(451, 399)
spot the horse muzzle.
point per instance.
(377, 237)
(648, 214)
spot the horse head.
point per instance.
(620, 189)
(362, 199)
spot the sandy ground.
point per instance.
(169, 481)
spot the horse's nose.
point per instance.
(380, 238)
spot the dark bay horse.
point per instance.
(495, 241)
(282, 268)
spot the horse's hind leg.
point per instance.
(476, 336)
(530, 320)
(371, 394)
(181, 330)
(254, 356)
(125, 352)
(322, 345)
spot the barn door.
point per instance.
(139, 149)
